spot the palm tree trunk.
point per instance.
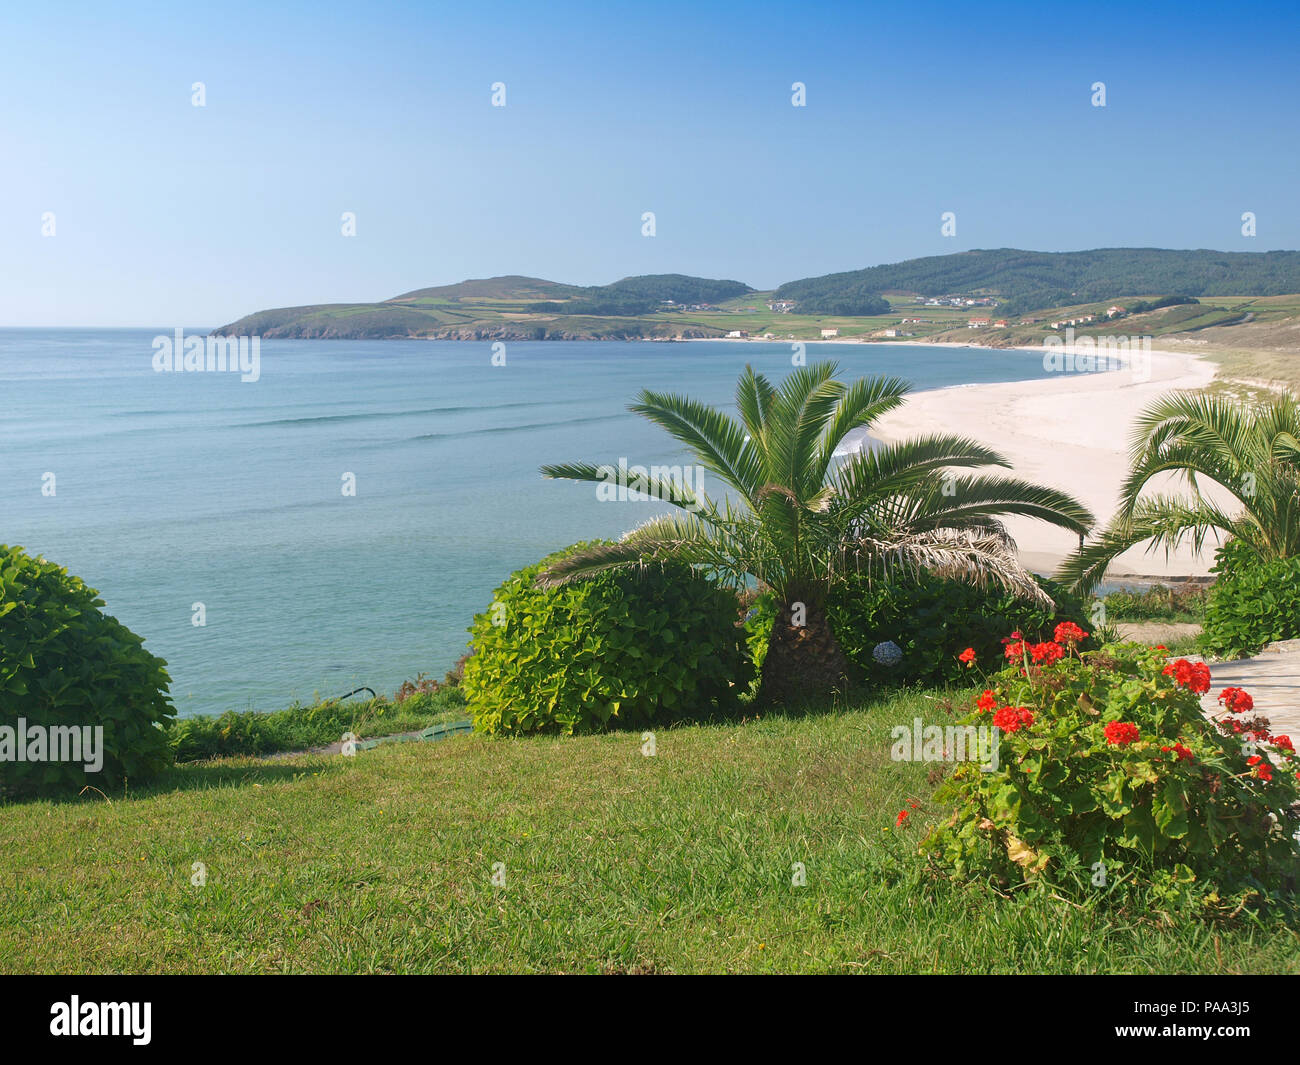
(803, 662)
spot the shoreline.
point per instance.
(1069, 431)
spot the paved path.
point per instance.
(1272, 678)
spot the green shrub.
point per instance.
(1117, 785)
(760, 616)
(1183, 602)
(626, 648)
(1252, 603)
(253, 732)
(64, 663)
(933, 620)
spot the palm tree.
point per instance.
(1251, 451)
(796, 516)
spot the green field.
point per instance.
(613, 862)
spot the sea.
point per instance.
(338, 521)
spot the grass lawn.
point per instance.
(613, 862)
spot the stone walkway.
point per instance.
(1272, 678)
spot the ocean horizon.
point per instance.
(184, 495)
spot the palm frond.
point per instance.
(955, 501)
(755, 398)
(651, 484)
(716, 440)
(863, 402)
(890, 469)
(975, 556)
(1162, 521)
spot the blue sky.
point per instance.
(166, 213)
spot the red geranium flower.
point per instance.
(902, 816)
(1194, 676)
(987, 701)
(1121, 733)
(1047, 653)
(1010, 718)
(967, 656)
(1284, 742)
(1067, 632)
(1264, 771)
(1184, 755)
(1236, 700)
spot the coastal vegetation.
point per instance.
(66, 669)
(798, 519)
(1183, 602)
(1111, 776)
(611, 862)
(629, 648)
(1239, 464)
(752, 827)
(1254, 602)
(1250, 452)
(320, 724)
(932, 620)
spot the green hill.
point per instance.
(678, 306)
(1028, 280)
(510, 307)
(508, 287)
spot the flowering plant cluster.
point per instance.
(1112, 778)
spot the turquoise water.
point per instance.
(179, 488)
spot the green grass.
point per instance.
(1181, 646)
(1158, 602)
(300, 727)
(614, 862)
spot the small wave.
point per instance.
(503, 429)
(379, 415)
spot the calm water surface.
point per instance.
(177, 489)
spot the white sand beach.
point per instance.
(1071, 431)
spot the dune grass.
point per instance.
(613, 861)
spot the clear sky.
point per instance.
(170, 214)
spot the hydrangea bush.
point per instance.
(67, 665)
(1111, 779)
(623, 649)
(1252, 603)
